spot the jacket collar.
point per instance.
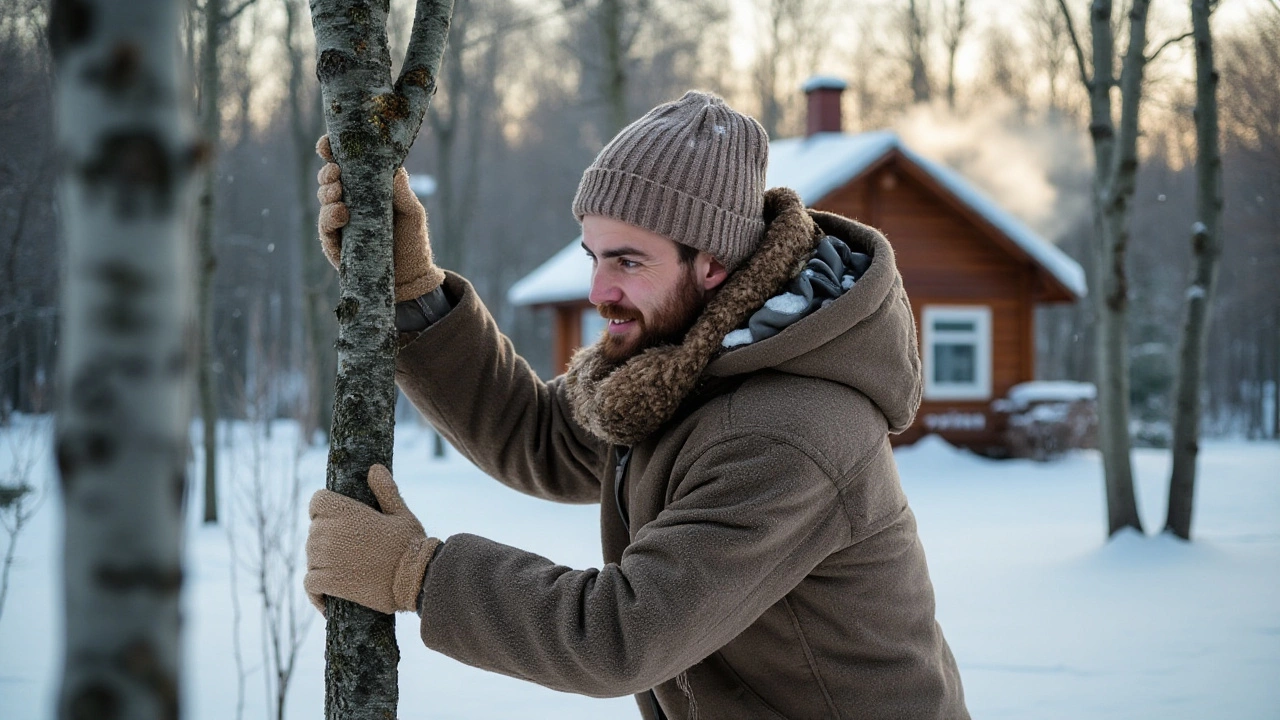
(625, 403)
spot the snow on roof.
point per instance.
(566, 276)
(814, 167)
(823, 82)
(817, 165)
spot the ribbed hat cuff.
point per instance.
(662, 209)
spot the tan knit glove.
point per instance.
(376, 559)
(416, 275)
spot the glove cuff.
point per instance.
(413, 567)
(421, 283)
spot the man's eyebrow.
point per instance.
(626, 250)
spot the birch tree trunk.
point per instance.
(124, 355)
(371, 124)
(211, 130)
(1206, 248)
(1115, 153)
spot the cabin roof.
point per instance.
(814, 167)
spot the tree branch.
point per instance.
(1075, 44)
(1167, 43)
(417, 81)
(532, 20)
(229, 16)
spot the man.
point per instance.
(760, 557)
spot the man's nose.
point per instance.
(603, 289)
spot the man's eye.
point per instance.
(626, 264)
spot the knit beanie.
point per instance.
(691, 170)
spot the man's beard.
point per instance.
(667, 326)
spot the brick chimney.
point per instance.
(823, 93)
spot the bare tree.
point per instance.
(916, 28)
(372, 123)
(1049, 45)
(955, 23)
(794, 32)
(217, 18)
(1206, 248)
(124, 353)
(1004, 69)
(268, 495)
(19, 497)
(28, 294)
(317, 281)
(1115, 150)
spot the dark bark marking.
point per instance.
(388, 109)
(139, 660)
(91, 391)
(127, 578)
(331, 64)
(179, 488)
(121, 72)
(94, 702)
(124, 284)
(134, 168)
(70, 24)
(355, 143)
(78, 449)
(420, 78)
(358, 15)
(348, 306)
(199, 153)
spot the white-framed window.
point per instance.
(592, 327)
(957, 352)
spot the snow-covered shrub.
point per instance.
(1046, 419)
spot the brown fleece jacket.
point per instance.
(771, 566)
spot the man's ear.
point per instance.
(711, 272)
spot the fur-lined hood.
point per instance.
(865, 339)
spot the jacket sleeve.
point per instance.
(468, 381)
(749, 521)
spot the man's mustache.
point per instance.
(613, 311)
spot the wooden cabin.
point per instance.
(973, 272)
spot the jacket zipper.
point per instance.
(619, 471)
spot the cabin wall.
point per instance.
(946, 259)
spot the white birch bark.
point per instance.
(124, 355)
(372, 123)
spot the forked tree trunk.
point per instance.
(371, 125)
(124, 355)
(1115, 152)
(1206, 248)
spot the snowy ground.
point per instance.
(1046, 620)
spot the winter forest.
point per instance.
(1054, 609)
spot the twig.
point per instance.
(1170, 41)
(1075, 43)
(229, 16)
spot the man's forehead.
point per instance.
(605, 234)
